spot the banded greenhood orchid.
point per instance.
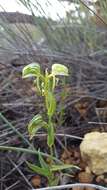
(31, 70)
(59, 69)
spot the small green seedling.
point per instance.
(45, 84)
(49, 171)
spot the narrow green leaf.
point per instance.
(59, 69)
(31, 70)
(44, 165)
(38, 170)
(42, 162)
(62, 167)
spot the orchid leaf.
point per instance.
(62, 167)
(38, 170)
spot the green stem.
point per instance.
(51, 148)
(51, 151)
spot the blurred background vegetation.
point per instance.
(82, 30)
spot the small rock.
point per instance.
(105, 180)
(100, 178)
(94, 152)
(36, 181)
(85, 177)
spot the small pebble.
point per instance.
(36, 181)
(85, 177)
(100, 178)
(105, 180)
